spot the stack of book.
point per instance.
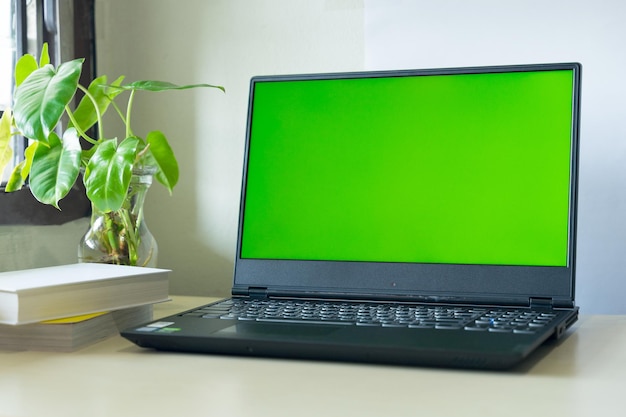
(65, 308)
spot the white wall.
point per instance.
(24, 247)
(228, 41)
(424, 33)
(224, 42)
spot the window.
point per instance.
(7, 57)
(68, 28)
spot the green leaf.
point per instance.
(149, 85)
(109, 172)
(6, 153)
(163, 158)
(20, 172)
(24, 67)
(29, 155)
(44, 58)
(55, 168)
(16, 179)
(41, 99)
(85, 113)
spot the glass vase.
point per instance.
(121, 237)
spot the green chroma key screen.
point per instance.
(456, 168)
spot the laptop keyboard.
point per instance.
(520, 321)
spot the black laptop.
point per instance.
(414, 217)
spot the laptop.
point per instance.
(412, 217)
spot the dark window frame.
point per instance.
(20, 207)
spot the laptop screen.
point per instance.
(454, 184)
(457, 167)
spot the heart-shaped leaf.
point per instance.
(41, 99)
(55, 167)
(163, 158)
(108, 173)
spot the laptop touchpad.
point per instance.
(276, 330)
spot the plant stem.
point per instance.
(129, 107)
(119, 111)
(141, 153)
(111, 239)
(96, 108)
(78, 129)
(132, 237)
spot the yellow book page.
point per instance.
(74, 319)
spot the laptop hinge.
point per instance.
(257, 292)
(541, 302)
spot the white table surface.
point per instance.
(582, 375)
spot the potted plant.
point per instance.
(115, 173)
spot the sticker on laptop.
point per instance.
(169, 330)
(161, 324)
(154, 326)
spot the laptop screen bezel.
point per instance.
(415, 281)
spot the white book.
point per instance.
(35, 295)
